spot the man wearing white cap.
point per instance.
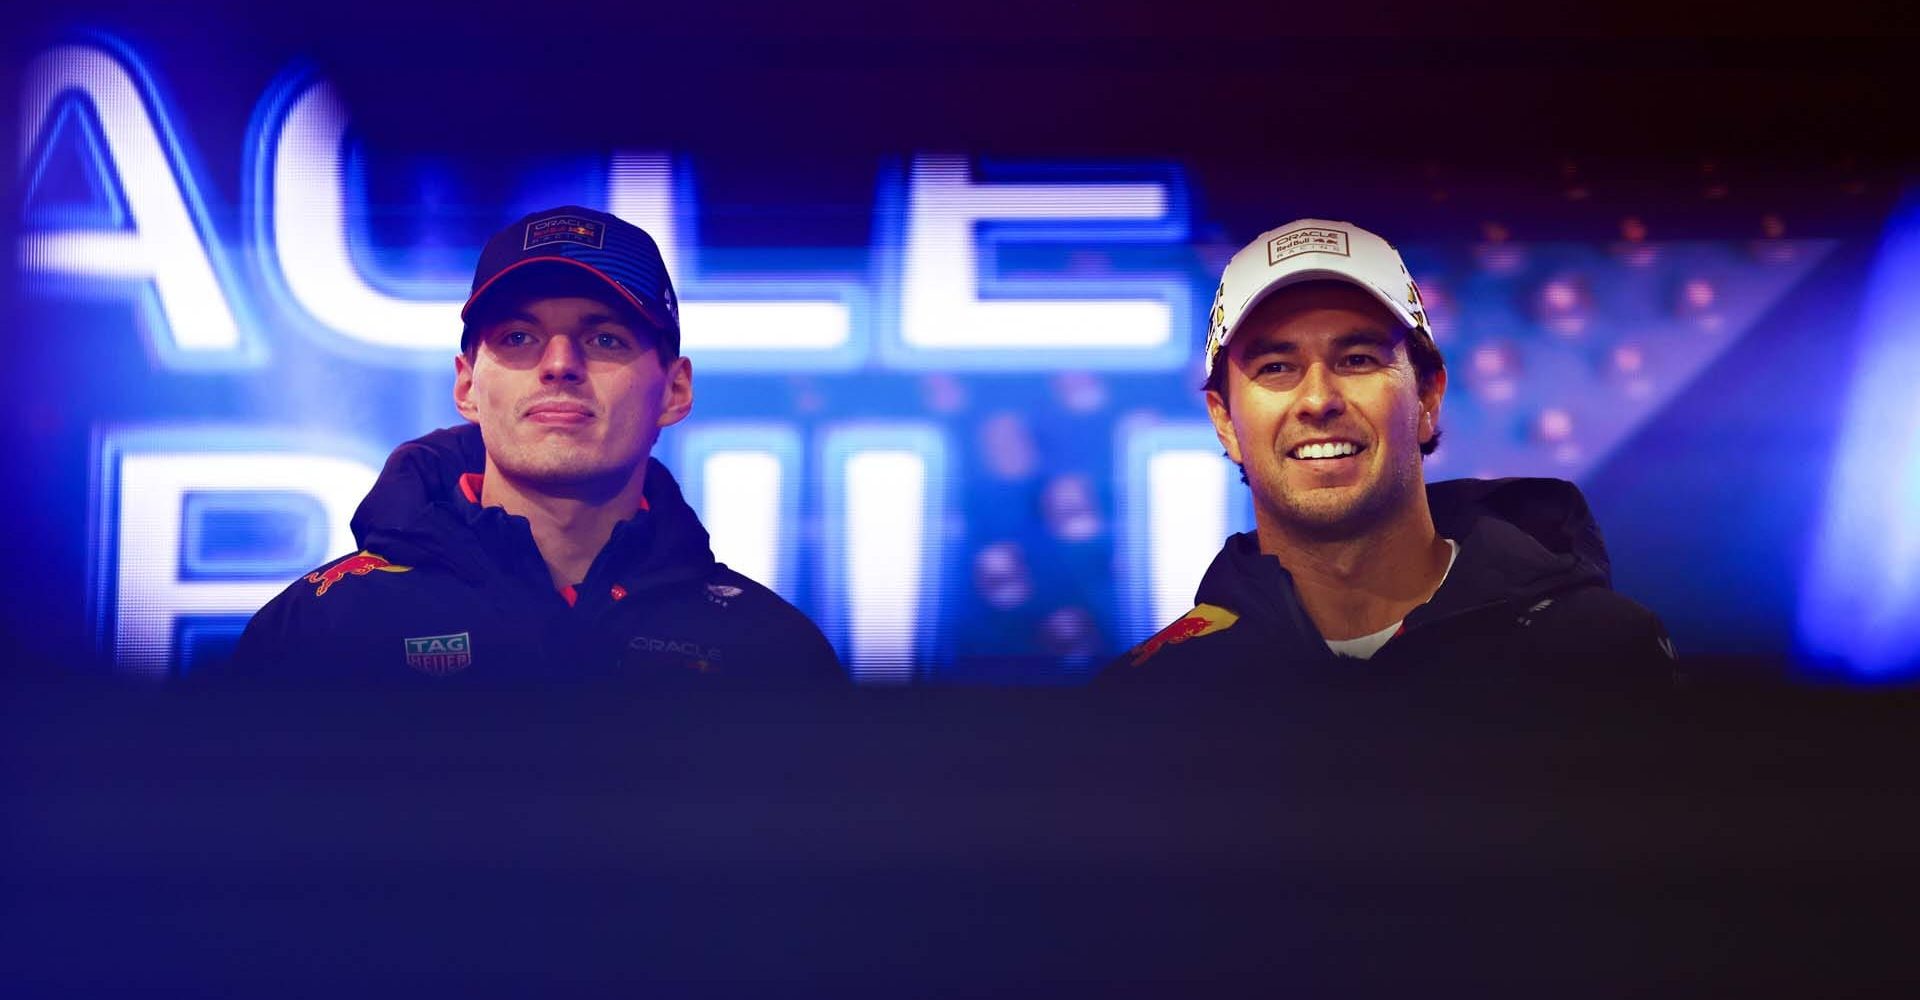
(1325, 386)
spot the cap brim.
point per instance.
(520, 266)
(1393, 304)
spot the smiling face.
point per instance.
(569, 390)
(1323, 409)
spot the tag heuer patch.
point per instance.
(440, 655)
(1308, 239)
(565, 229)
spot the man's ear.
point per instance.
(676, 397)
(1431, 395)
(1223, 424)
(463, 388)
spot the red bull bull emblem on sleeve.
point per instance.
(440, 655)
(1204, 619)
(359, 564)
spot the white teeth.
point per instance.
(1326, 449)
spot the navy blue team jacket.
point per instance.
(445, 591)
(1528, 598)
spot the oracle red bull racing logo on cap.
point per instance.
(1307, 239)
(565, 229)
(440, 655)
(359, 564)
(1204, 619)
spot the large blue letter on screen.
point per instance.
(954, 312)
(154, 493)
(145, 229)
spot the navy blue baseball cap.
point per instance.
(604, 246)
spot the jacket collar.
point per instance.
(418, 512)
(1520, 541)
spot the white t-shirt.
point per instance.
(1365, 646)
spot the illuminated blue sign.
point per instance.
(976, 435)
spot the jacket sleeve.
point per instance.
(1650, 650)
(803, 655)
(816, 662)
(289, 635)
(262, 643)
(1607, 635)
(786, 648)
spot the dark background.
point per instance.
(1444, 129)
(1358, 841)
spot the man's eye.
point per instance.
(1276, 368)
(515, 338)
(1361, 360)
(608, 341)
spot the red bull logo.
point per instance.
(1205, 619)
(359, 564)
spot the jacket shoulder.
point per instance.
(341, 573)
(306, 615)
(1604, 614)
(798, 649)
(1594, 628)
(1184, 642)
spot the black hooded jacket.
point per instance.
(1529, 597)
(444, 589)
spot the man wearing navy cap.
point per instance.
(1325, 386)
(542, 539)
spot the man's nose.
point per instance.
(1320, 396)
(561, 361)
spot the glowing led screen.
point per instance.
(970, 446)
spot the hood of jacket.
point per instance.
(417, 515)
(1521, 540)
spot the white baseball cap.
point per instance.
(1311, 250)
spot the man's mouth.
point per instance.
(1319, 451)
(559, 412)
